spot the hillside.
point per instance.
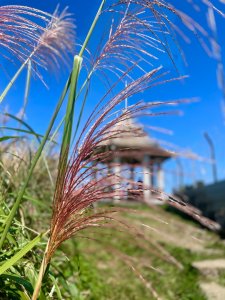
(162, 263)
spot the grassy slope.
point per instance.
(103, 272)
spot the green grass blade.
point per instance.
(81, 111)
(23, 296)
(92, 28)
(34, 200)
(32, 132)
(87, 80)
(22, 122)
(38, 136)
(33, 164)
(57, 129)
(55, 285)
(13, 260)
(68, 125)
(73, 96)
(22, 131)
(19, 280)
(7, 137)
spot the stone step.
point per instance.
(213, 291)
(210, 267)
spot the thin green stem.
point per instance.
(92, 28)
(69, 114)
(10, 84)
(33, 164)
(73, 97)
(12, 81)
(27, 89)
(81, 112)
(67, 133)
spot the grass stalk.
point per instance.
(67, 134)
(33, 164)
(12, 81)
(41, 274)
(92, 28)
(68, 125)
(68, 121)
(27, 89)
(73, 95)
(81, 112)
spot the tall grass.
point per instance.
(140, 33)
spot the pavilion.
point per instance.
(132, 147)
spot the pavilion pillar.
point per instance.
(146, 178)
(160, 177)
(95, 171)
(109, 169)
(131, 183)
(132, 174)
(95, 179)
(117, 173)
(152, 174)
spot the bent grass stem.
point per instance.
(67, 134)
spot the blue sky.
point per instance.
(205, 115)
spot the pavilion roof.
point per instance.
(129, 138)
